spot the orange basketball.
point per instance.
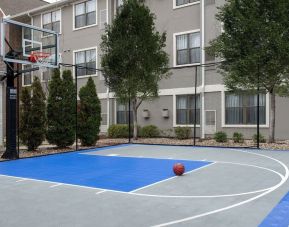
(179, 169)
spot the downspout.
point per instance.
(203, 87)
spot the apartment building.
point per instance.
(9, 8)
(190, 25)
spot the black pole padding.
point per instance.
(11, 102)
(195, 107)
(76, 109)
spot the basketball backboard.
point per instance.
(20, 43)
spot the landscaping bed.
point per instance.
(48, 149)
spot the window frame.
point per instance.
(175, 51)
(74, 15)
(175, 124)
(116, 113)
(175, 6)
(223, 111)
(96, 61)
(60, 21)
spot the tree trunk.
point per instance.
(272, 117)
(134, 109)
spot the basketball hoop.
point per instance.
(42, 58)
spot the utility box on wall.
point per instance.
(165, 113)
(146, 114)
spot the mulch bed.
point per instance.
(54, 150)
(280, 145)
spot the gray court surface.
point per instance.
(239, 188)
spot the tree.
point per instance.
(24, 115)
(69, 107)
(255, 45)
(89, 116)
(61, 110)
(33, 116)
(133, 58)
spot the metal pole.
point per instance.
(18, 113)
(195, 117)
(258, 108)
(76, 110)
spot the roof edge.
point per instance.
(2, 12)
(40, 8)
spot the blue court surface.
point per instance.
(279, 216)
(113, 173)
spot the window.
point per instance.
(27, 77)
(85, 14)
(185, 2)
(51, 21)
(186, 109)
(242, 109)
(188, 48)
(86, 59)
(122, 114)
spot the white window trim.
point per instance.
(175, 111)
(175, 47)
(22, 77)
(96, 61)
(184, 5)
(224, 125)
(115, 111)
(73, 16)
(41, 21)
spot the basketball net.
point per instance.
(42, 58)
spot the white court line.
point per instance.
(284, 179)
(55, 185)
(194, 170)
(97, 193)
(21, 180)
(66, 184)
(112, 155)
(218, 196)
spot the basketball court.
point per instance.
(131, 185)
(134, 185)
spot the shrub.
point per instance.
(150, 131)
(261, 138)
(183, 133)
(118, 131)
(238, 137)
(221, 137)
(61, 110)
(89, 116)
(33, 116)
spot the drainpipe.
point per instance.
(203, 87)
